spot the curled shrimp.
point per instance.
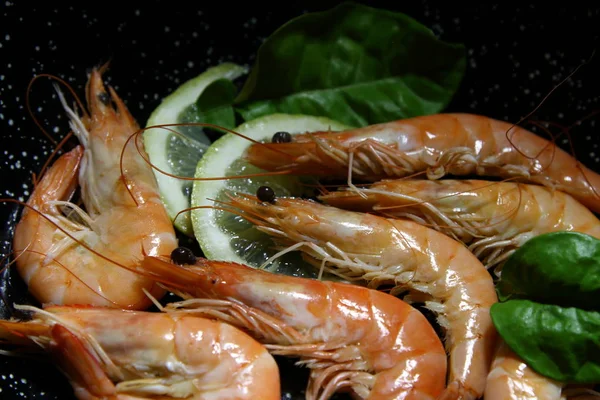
(432, 267)
(440, 144)
(492, 218)
(351, 337)
(124, 217)
(125, 355)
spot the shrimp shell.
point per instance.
(511, 378)
(440, 144)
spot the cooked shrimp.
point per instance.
(123, 220)
(432, 267)
(125, 355)
(351, 337)
(492, 218)
(511, 378)
(441, 144)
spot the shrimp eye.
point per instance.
(282, 137)
(104, 98)
(183, 255)
(265, 193)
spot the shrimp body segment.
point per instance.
(124, 217)
(511, 378)
(440, 144)
(492, 218)
(117, 354)
(409, 257)
(351, 337)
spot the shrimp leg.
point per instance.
(492, 218)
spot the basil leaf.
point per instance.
(559, 343)
(355, 64)
(561, 268)
(214, 105)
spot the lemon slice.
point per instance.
(178, 154)
(226, 237)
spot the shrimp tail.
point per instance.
(65, 348)
(36, 240)
(81, 368)
(107, 102)
(59, 182)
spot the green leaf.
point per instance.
(559, 343)
(214, 105)
(219, 92)
(561, 268)
(353, 63)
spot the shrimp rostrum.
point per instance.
(492, 218)
(437, 145)
(124, 217)
(408, 258)
(352, 338)
(125, 355)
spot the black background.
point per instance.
(516, 56)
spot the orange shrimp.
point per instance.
(492, 218)
(511, 378)
(123, 220)
(351, 337)
(125, 355)
(440, 144)
(432, 267)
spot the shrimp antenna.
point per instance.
(508, 137)
(54, 153)
(58, 145)
(28, 104)
(167, 127)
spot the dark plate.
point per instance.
(516, 56)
